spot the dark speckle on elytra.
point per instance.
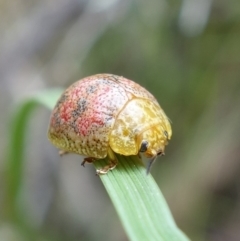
(82, 105)
(115, 78)
(62, 99)
(56, 118)
(75, 113)
(91, 89)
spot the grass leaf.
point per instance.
(139, 202)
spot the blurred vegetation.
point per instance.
(186, 53)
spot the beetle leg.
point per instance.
(109, 167)
(62, 152)
(88, 160)
(139, 156)
(112, 163)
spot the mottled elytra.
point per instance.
(105, 114)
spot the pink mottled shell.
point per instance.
(85, 114)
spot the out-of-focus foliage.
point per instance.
(186, 53)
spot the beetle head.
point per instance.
(153, 142)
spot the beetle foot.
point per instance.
(62, 152)
(107, 168)
(88, 160)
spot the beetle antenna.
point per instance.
(152, 160)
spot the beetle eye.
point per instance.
(144, 146)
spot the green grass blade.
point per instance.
(139, 202)
(137, 198)
(18, 130)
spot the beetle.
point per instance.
(104, 114)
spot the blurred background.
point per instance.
(187, 53)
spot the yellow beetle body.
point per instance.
(105, 114)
